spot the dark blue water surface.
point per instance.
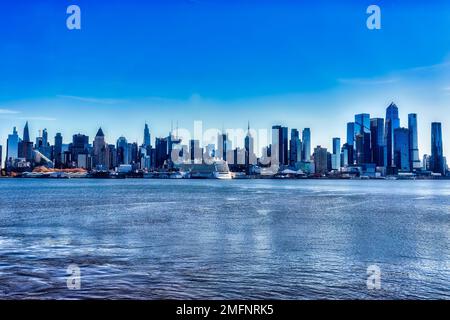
(157, 239)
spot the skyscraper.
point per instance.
(306, 145)
(26, 133)
(320, 160)
(295, 148)
(280, 144)
(147, 140)
(57, 151)
(437, 155)
(79, 145)
(223, 146)
(392, 122)
(26, 145)
(377, 141)
(161, 152)
(100, 151)
(12, 146)
(413, 142)
(336, 155)
(122, 151)
(362, 146)
(350, 145)
(401, 150)
(195, 151)
(249, 143)
(1, 159)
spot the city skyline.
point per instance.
(373, 147)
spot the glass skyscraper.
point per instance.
(401, 149)
(306, 145)
(336, 156)
(377, 141)
(437, 156)
(295, 148)
(12, 145)
(147, 141)
(413, 142)
(280, 144)
(362, 138)
(392, 122)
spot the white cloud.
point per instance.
(7, 111)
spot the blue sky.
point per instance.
(295, 63)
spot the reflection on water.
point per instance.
(156, 239)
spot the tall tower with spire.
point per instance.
(26, 146)
(26, 133)
(250, 158)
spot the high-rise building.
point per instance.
(413, 142)
(401, 150)
(392, 122)
(112, 156)
(306, 144)
(26, 145)
(161, 152)
(320, 160)
(336, 155)
(377, 141)
(57, 151)
(437, 155)
(100, 151)
(79, 145)
(362, 146)
(295, 148)
(122, 151)
(249, 144)
(12, 146)
(195, 151)
(147, 140)
(1, 155)
(280, 144)
(224, 147)
(350, 143)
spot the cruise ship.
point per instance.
(217, 170)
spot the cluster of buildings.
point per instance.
(374, 148)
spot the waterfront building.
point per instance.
(350, 142)
(437, 156)
(195, 151)
(336, 155)
(57, 150)
(279, 151)
(401, 150)
(12, 146)
(1, 155)
(147, 139)
(113, 161)
(100, 151)
(306, 144)
(362, 138)
(26, 145)
(249, 145)
(161, 152)
(392, 122)
(377, 141)
(295, 148)
(413, 142)
(320, 160)
(122, 151)
(224, 147)
(79, 145)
